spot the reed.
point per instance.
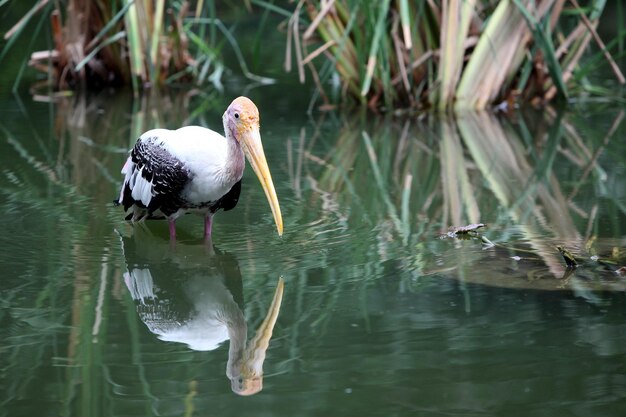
(448, 54)
(144, 43)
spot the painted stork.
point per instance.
(195, 170)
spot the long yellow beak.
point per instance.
(253, 149)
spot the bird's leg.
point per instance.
(208, 225)
(172, 225)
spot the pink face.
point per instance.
(241, 117)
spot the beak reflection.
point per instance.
(181, 299)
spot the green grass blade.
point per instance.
(544, 41)
(106, 42)
(134, 45)
(114, 20)
(233, 43)
(405, 21)
(524, 75)
(16, 31)
(381, 23)
(593, 62)
(156, 35)
(621, 25)
(18, 78)
(272, 7)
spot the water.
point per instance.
(380, 314)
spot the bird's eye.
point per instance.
(236, 115)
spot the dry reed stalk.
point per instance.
(104, 43)
(400, 56)
(552, 90)
(20, 23)
(297, 46)
(322, 13)
(596, 38)
(456, 17)
(489, 64)
(514, 47)
(318, 51)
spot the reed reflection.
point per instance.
(189, 296)
(529, 178)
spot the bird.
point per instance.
(194, 169)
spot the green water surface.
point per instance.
(381, 315)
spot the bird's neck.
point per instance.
(235, 161)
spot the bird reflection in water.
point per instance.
(199, 304)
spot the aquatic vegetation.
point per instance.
(441, 54)
(118, 42)
(448, 54)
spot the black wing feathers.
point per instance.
(167, 173)
(229, 200)
(168, 176)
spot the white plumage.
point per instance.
(203, 152)
(195, 170)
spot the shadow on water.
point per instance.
(381, 315)
(193, 294)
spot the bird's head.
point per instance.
(241, 123)
(242, 116)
